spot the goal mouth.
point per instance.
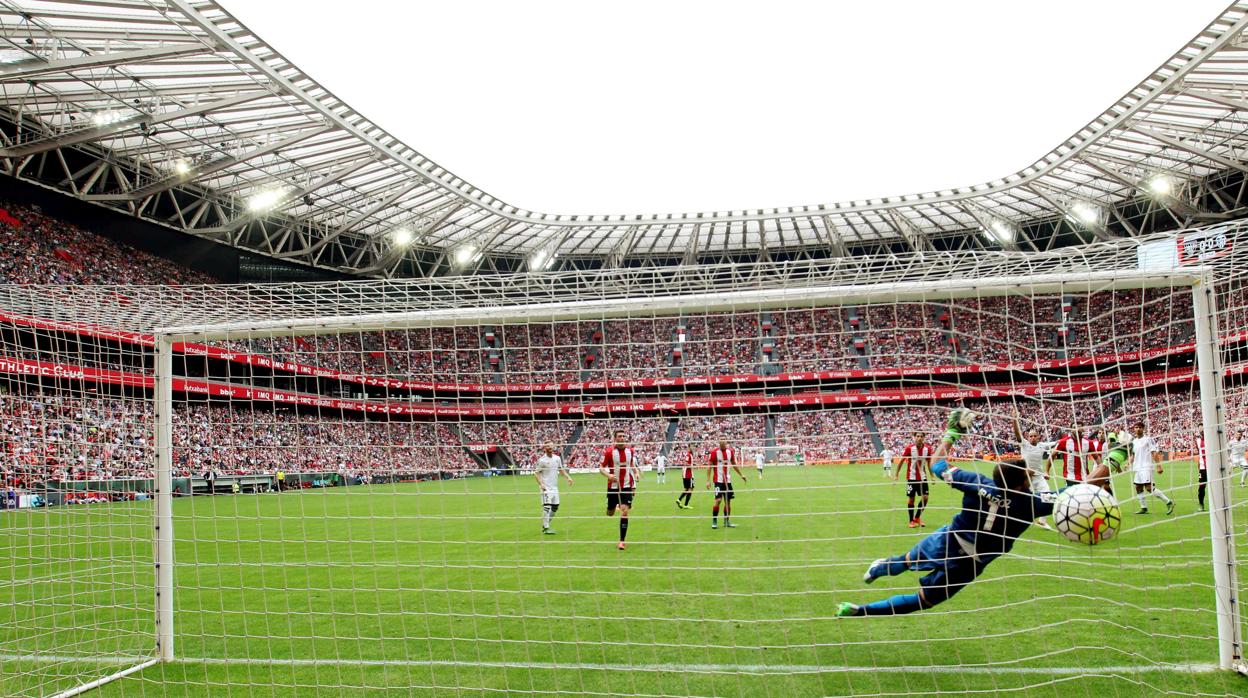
(433, 498)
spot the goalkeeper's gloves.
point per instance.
(959, 423)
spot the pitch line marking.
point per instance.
(645, 668)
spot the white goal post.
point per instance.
(1208, 361)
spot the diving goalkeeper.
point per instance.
(995, 512)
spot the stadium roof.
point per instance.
(173, 111)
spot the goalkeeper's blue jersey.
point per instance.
(991, 518)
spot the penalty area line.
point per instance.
(643, 668)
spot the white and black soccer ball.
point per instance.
(1087, 514)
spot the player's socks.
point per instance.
(885, 567)
(1139, 496)
(546, 517)
(910, 512)
(900, 604)
(623, 528)
(1169, 502)
(1200, 496)
(918, 512)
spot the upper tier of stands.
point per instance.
(40, 249)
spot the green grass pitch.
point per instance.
(448, 588)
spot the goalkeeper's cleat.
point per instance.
(847, 609)
(1169, 507)
(870, 575)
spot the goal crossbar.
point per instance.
(727, 301)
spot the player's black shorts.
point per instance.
(687, 482)
(724, 490)
(621, 496)
(1202, 477)
(916, 488)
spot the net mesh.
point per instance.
(361, 502)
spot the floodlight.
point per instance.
(402, 237)
(540, 260)
(465, 254)
(104, 118)
(1003, 232)
(1161, 185)
(1086, 213)
(265, 200)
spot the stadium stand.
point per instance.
(99, 438)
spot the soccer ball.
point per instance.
(1087, 514)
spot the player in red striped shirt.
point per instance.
(917, 458)
(686, 476)
(619, 466)
(1074, 450)
(721, 460)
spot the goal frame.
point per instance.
(1198, 279)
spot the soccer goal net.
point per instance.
(563, 483)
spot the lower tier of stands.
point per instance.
(59, 436)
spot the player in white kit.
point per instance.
(660, 468)
(1035, 454)
(1237, 448)
(1143, 464)
(887, 456)
(549, 465)
(759, 459)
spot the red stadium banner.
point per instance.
(193, 349)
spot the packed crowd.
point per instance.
(747, 432)
(813, 339)
(825, 435)
(647, 436)
(60, 437)
(524, 440)
(906, 334)
(1109, 322)
(39, 249)
(999, 329)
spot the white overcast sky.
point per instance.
(674, 106)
